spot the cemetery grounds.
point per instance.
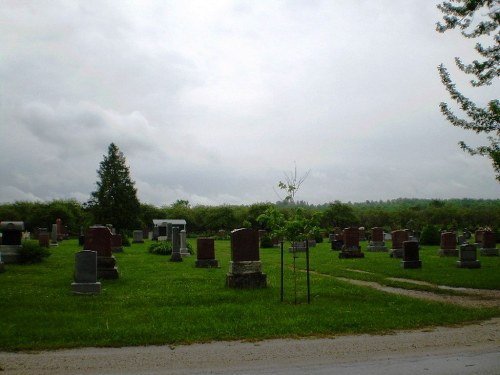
(157, 302)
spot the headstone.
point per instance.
(489, 244)
(59, 230)
(411, 257)
(205, 253)
(467, 256)
(116, 243)
(44, 239)
(478, 235)
(245, 268)
(53, 235)
(351, 248)
(137, 236)
(398, 237)
(98, 238)
(12, 233)
(183, 246)
(297, 247)
(85, 281)
(176, 246)
(362, 234)
(377, 243)
(448, 246)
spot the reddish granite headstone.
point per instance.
(59, 229)
(448, 241)
(489, 240)
(350, 237)
(244, 245)
(377, 234)
(479, 236)
(411, 255)
(398, 237)
(44, 239)
(98, 238)
(205, 248)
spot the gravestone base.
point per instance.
(352, 252)
(176, 257)
(185, 252)
(207, 263)
(10, 253)
(468, 264)
(86, 288)
(396, 253)
(106, 268)
(411, 264)
(118, 249)
(488, 252)
(377, 247)
(448, 252)
(246, 280)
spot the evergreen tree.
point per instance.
(476, 19)
(115, 200)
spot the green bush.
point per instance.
(430, 235)
(266, 242)
(161, 248)
(31, 252)
(125, 240)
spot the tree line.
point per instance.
(208, 220)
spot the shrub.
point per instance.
(430, 235)
(266, 242)
(161, 248)
(31, 252)
(125, 240)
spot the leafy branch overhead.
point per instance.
(475, 19)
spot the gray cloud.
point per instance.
(211, 102)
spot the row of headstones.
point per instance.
(97, 262)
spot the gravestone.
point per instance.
(398, 237)
(350, 247)
(176, 246)
(245, 268)
(12, 233)
(448, 246)
(183, 245)
(98, 239)
(59, 225)
(488, 244)
(137, 236)
(43, 237)
(116, 243)
(205, 253)
(53, 235)
(377, 243)
(362, 234)
(85, 280)
(467, 256)
(478, 236)
(411, 258)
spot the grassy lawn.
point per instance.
(159, 302)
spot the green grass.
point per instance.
(159, 302)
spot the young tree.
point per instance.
(115, 200)
(476, 18)
(292, 184)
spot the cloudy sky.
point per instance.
(213, 101)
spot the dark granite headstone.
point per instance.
(468, 257)
(448, 246)
(98, 239)
(377, 243)
(86, 273)
(398, 237)
(176, 246)
(206, 253)
(244, 245)
(488, 247)
(411, 258)
(350, 247)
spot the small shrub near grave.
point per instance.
(165, 248)
(266, 242)
(430, 235)
(31, 252)
(125, 240)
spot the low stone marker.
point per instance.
(377, 243)
(448, 246)
(245, 268)
(86, 274)
(205, 253)
(411, 256)
(467, 256)
(137, 236)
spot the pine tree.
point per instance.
(115, 200)
(476, 19)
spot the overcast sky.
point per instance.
(212, 101)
